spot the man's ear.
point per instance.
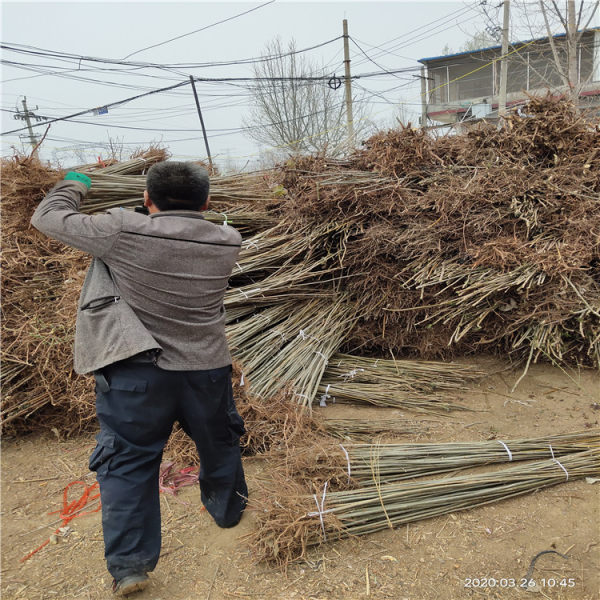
(205, 205)
(152, 208)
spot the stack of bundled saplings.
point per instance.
(41, 279)
(414, 246)
(290, 519)
(484, 241)
(286, 314)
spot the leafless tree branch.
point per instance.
(296, 115)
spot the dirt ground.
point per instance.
(482, 552)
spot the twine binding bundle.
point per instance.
(288, 523)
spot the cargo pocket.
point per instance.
(235, 423)
(123, 384)
(128, 385)
(103, 452)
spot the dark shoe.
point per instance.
(130, 584)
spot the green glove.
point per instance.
(74, 176)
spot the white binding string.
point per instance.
(305, 336)
(320, 510)
(348, 459)
(322, 356)
(350, 374)
(242, 380)
(246, 295)
(324, 397)
(238, 266)
(225, 221)
(507, 450)
(558, 463)
(250, 244)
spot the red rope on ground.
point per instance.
(71, 510)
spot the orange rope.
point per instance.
(70, 510)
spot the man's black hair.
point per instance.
(177, 185)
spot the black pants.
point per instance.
(137, 405)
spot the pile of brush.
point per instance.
(41, 280)
(413, 247)
(483, 241)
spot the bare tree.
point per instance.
(114, 148)
(554, 65)
(573, 23)
(298, 108)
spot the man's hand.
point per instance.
(74, 176)
(58, 216)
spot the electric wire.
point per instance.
(201, 29)
(78, 59)
(417, 35)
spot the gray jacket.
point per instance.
(159, 284)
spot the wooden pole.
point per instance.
(27, 116)
(348, 88)
(504, 62)
(572, 51)
(201, 122)
(423, 99)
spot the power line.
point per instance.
(371, 60)
(408, 38)
(201, 29)
(78, 58)
(383, 51)
(219, 130)
(107, 106)
(418, 37)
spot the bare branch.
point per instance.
(579, 15)
(590, 17)
(560, 16)
(553, 45)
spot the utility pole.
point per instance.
(201, 122)
(423, 99)
(348, 87)
(26, 116)
(504, 63)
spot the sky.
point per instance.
(384, 37)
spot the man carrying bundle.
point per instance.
(151, 327)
